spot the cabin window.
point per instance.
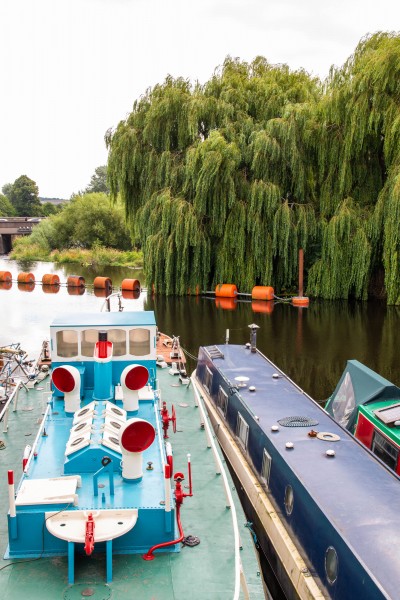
(118, 339)
(242, 430)
(331, 564)
(67, 343)
(289, 499)
(89, 337)
(385, 450)
(222, 401)
(208, 377)
(344, 403)
(266, 467)
(139, 342)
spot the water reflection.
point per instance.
(311, 344)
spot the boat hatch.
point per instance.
(388, 415)
(214, 352)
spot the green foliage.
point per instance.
(6, 208)
(98, 181)
(24, 196)
(189, 165)
(48, 208)
(225, 182)
(86, 221)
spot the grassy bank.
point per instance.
(95, 256)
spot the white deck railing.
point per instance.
(6, 408)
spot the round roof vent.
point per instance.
(137, 435)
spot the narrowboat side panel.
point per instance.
(330, 519)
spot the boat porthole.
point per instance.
(289, 498)
(331, 564)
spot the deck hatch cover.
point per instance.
(297, 422)
(214, 352)
(389, 414)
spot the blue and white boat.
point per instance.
(325, 509)
(107, 504)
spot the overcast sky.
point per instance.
(71, 69)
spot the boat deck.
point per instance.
(205, 571)
(365, 516)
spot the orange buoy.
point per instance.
(76, 291)
(102, 283)
(50, 279)
(5, 276)
(262, 292)
(300, 301)
(26, 278)
(5, 285)
(226, 290)
(27, 286)
(49, 288)
(75, 281)
(226, 303)
(130, 294)
(260, 306)
(130, 285)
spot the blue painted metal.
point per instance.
(349, 502)
(103, 383)
(28, 535)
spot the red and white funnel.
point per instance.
(135, 437)
(133, 378)
(67, 380)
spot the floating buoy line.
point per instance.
(226, 295)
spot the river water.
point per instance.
(310, 344)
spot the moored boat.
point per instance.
(368, 405)
(324, 508)
(124, 492)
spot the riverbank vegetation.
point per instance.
(226, 181)
(89, 229)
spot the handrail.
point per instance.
(228, 493)
(35, 443)
(6, 407)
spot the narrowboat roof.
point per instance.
(354, 489)
(105, 319)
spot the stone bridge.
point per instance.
(10, 227)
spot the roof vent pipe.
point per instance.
(253, 336)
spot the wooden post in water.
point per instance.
(301, 269)
(300, 300)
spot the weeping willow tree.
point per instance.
(224, 182)
(218, 179)
(359, 157)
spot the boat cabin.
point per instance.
(368, 405)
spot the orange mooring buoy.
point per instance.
(102, 283)
(5, 276)
(226, 290)
(75, 281)
(262, 292)
(130, 285)
(50, 279)
(300, 301)
(26, 278)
